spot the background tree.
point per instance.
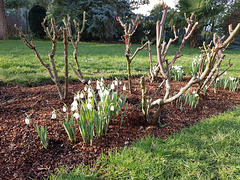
(35, 18)
(100, 15)
(3, 23)
(156, 15)
(206, 12)
(232, 17)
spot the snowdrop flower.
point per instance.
(27, 120)
(120, 83)
(112, 108)
(101, 82)
(116, 82)
(89, 106)
(77, 97)
(74, 106)
(98, 85)
(112, 86)
(64, 109)
(196, 95)
(100, 94)
(85, 88)
(232, 78)
(90, 94)
(81, 95)
(54, 115)
(89, 90)
(89, 82)
(76, 115)
(194, 92)
(105, 93)
(217, 79)
(124, 87)
(225, 73)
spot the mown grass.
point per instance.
(19, 65)
(208, 150)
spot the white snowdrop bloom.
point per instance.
(124, 87)
(64, 109)
(76, 115)
(89, 82)
(116, 82)
(27, 120)
(105, 93)
(194, 92)
(89, 106)
(232, 78)
(196, 95)
(98, 86)
(85, 88)
(89, 90)
(225, 73)
(74, 106)
(100, 93)
(77, 97)
(90, 94)
(112, 86)
(54, 115)
(217, 79)
(112, 108)
(81, 95)
(120, 83)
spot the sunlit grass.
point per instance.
(19, 65)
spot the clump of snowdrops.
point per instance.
(177, 73)
(189, 99)
(93, 110)
(42, 131)
(232, 83)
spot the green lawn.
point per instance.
(208, 150)
(19, 65)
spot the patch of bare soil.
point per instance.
(22, 154)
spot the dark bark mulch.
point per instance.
(23, 156)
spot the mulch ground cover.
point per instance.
(22, 154)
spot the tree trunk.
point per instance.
(129, 76)
(3, 22)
